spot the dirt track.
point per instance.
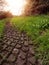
(16, 48)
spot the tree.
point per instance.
(4, 14)
(37, 7)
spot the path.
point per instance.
(16, 48)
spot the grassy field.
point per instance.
(37, 27)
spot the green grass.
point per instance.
(2, 23)
(37, 27)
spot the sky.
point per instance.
(16, 7)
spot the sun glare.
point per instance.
(16, 7)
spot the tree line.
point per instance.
(35, 7)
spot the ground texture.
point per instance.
(16, 48)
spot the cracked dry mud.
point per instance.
(16, 48)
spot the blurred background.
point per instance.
(30, 7)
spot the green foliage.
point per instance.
(2, 23)
(37, 27)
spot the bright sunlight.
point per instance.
(16, 7)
